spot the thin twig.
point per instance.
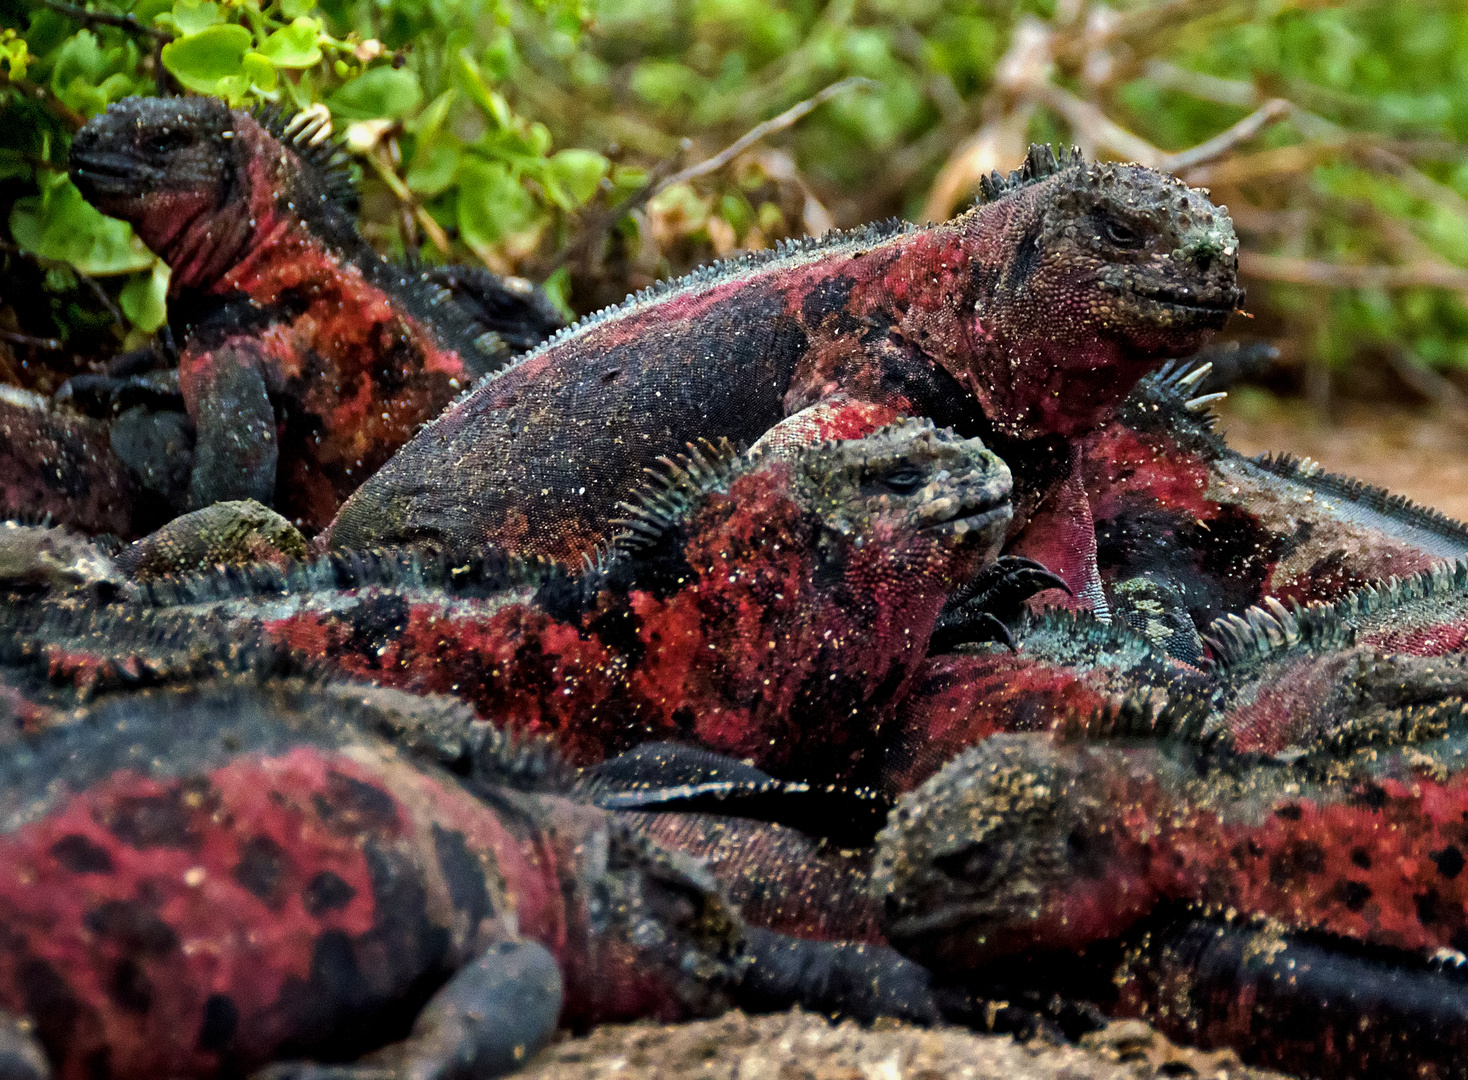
(1300, 271)
(759, 131)
(400, 190)
(103, 18)
(62, 111)
(26, 339)
(101, 294)
(1226, 140)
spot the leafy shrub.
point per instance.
(526, 134)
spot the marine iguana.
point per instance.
(1023, 321)
(766, 607)
(200, 880)
(307, 358)
(1159, 860)
(1213, 531)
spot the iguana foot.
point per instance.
(984, 608)
(488, 1020)
(842, 978)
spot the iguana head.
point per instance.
(660, 938)
(1012, 847)
(1090, 274)
(201, 183)
(786, 600)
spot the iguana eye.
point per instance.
(902, 482)
(163, 141)
(1120, 235)
(973, 863)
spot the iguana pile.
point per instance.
(770, 607)
(306, 357)
(1024, 321)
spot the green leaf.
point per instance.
(576, 173)
(202, 61)
(59, 224)
(382, 92)
(144, 299)
(192, 16)
(434, 164)
(259, 70)
(491, 204)
(294, 9)
(294, 46)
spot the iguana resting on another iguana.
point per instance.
(1204, 531)
(307, 358)
(773, 608)
(1024, 321)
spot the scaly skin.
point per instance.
(197, 881)
(229, 532)
(773, 609)
(1025, 320)
(308, 358)
(1169, 499)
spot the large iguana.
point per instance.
(307, 358)
(1212, 531)
(1023, 321)
(198, 880)
(771, 608)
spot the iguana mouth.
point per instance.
(997, 517)
(1191, 300)
(107, 173)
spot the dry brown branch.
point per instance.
(759, 131)
(1301, 271)
(1272, 110)
(62, 111)
(17, 338)
(1426, 382)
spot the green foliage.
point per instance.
(502, 129)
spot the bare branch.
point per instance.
(16, 338)
(1425, 381)
(103, 18)
(1226, 140)
(1300, 271)
(62, 111)
(759, 131)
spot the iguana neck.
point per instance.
(269, 229)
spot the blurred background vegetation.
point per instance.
(583, 143)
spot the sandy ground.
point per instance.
(799, 1046)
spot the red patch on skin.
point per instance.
(958, 701)
(198, 930)
(144, 876)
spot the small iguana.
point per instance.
(200, 880)
(770, 607)
(307, 358)
(1023, 321)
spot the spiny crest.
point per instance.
(1371, 497)
(1264, 633)
(114, 648)
(670, 492)
(483, 571)
(308, 133)
(1040, 162)
(523, 761)
(1188, 720)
